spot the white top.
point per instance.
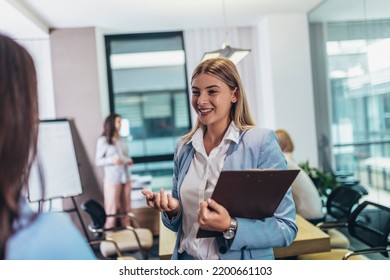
(105, 155)
(198, 185)
(306, 197)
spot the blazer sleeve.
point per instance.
(174, 223)
(101, 158)
(279, 230)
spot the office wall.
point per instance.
(77, 94)
(39, 48)
(285, 77)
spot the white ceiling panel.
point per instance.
(148, 15)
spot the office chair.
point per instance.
(118, 240)
(369, 223)
(119, 255)
(339, 205)
(342, 200)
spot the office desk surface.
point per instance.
(166, 242)
(310, 239)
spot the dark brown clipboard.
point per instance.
(252, 194)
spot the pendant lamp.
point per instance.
(234, 54)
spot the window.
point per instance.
(358, 78)
(148, 88)
(359, 69)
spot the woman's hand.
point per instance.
(129, 162)
(213, 216)
(117, 161)
(162, 202)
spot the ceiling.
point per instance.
(351, 10)
(34, 18)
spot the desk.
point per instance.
(166, 242)
(310, 239)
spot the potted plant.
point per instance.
(324, 181)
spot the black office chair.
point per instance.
(369, 223)
(342, 201)
(118, 240)
(339, 206)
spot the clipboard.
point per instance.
(251, 194)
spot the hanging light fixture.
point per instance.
(234, 54)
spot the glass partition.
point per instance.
(350, 43)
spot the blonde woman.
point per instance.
(223, 138)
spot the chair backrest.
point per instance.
(96, 212)
(341, 202)
(370, 223)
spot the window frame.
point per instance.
(156, 35)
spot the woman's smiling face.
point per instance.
(212, 99)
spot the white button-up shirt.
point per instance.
(105, 155)
(198, 185)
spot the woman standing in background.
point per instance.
(23, 233)
(113, 155)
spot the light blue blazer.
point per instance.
(255, 239)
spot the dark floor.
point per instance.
(358, 245)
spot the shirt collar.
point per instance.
(232, 134)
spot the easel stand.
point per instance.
(76, 209)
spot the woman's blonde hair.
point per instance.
(285, 142)
(225, 70)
